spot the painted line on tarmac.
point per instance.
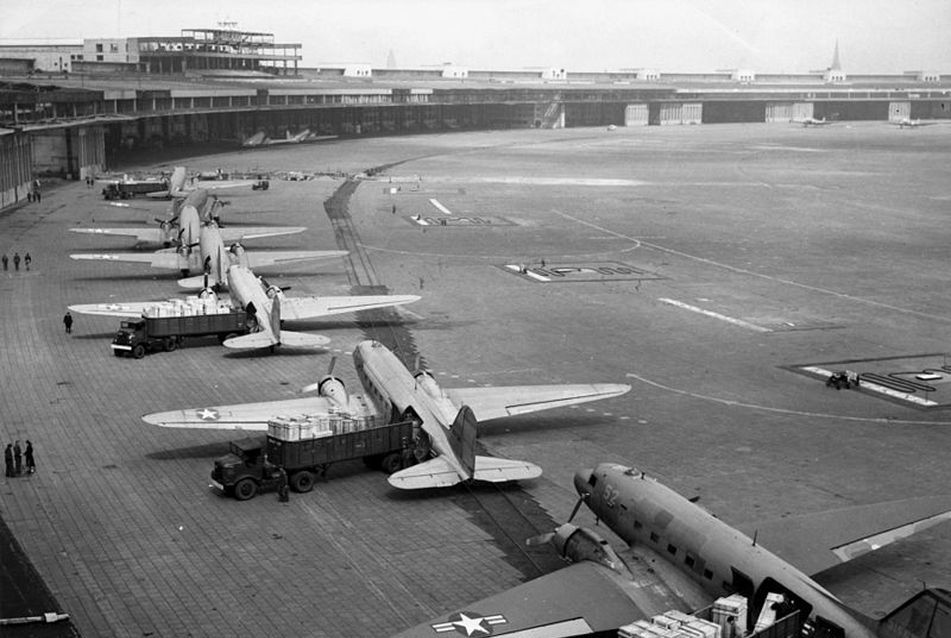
(790, 282)
(765, 408)
(440, 207)
(636, 242)
(715, 315)
(874, 387)
(743, 271)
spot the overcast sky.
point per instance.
(579, 35)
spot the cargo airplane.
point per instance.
(680, 557)
(269, 308)
(447, 417)
(181, 228)
(210, 256)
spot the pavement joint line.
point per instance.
(714, 315)
(435, 202)
(766, 408)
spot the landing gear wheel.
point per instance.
(302, 482)
(245, 489)
(392, 462)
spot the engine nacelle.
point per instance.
(579, 543)
(237, 250)
(273, 291)
(333, 388)
(427, 384)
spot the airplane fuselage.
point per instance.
(395, 390)
(721, 559)
(245, 289)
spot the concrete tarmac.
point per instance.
(695, 263)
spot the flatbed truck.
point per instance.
(127, 190)
(305, 448)
(138, 337)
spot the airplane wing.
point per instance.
(232, 234)
(312, 307)
(154, 235)
(244, 416)
(493, 403)
(127, 309)
(816, 542)
(256, 260)
(580, 599)
(162, 259)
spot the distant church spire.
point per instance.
(836, 65)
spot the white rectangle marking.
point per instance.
(440, 207)
(715, 315)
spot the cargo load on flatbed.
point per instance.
(304, 447)
(165, 325)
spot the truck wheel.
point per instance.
(171, 344)
(392, 462)
(138, 352)
(302, 482)
(372, 461)
(245, 489)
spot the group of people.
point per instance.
(13, 457)
(27, 260)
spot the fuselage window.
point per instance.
(638, 524)
(654, 537)
(689, 561)
(672, 549)
(708, 574)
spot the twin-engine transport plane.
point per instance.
(269, 308)
(447, 416)
(209, 255)
(680, 557)
(179, 228)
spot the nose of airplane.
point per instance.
(581, 481)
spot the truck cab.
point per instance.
(245, 469)
(130, 338)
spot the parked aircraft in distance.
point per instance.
(906, 122)
(182, 228)
(210, 256)
(811, 121)
(447, 416)
(261, 139)
(681, 557)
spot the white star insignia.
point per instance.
(471, 624)
(208, 414)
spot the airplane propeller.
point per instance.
(330, 371)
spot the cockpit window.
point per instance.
(593, 479)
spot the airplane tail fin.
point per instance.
(177, 181)
(462, 439)
(927, 613)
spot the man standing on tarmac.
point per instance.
(282, 488)
(68, 322)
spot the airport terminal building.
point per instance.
(68, 109)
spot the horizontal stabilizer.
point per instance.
(196, 282)
(496, 470)
(438, 472)
(433, 473)
(266, 340)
